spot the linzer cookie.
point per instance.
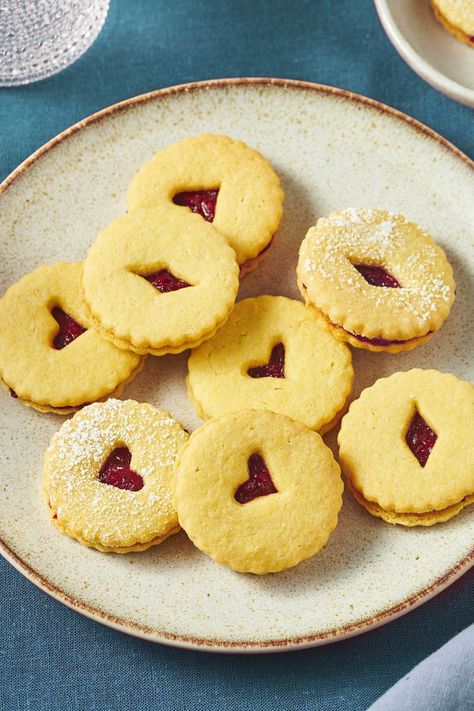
(407, 449)
(456, 16)
(159, 281)
(272, 353)
(108, 476)
(379, 280)
(222, 180)
(50, 356)
(257, 491)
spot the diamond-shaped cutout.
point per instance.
(275, 368)
(420, 438)
(259, 482)
(164, 281)
(377, 276)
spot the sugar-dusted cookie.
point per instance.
(272, 353)
(226, 182)
(407, 449)
(257, 491)
(108, 476)
(50, 356)
(378, 279)
(456, 16)
(159, 281)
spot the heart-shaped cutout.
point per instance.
(69, 329)
(116, 471)
(202, 202)
(377, 276)
(275, 368)
(420, 438)
(164, 281)
(259, 482)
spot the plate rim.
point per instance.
(213, 644)
(453, 89)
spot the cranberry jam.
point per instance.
(420, 438)
(202, 202)
(164, 281)
(377, 276)
(116, 471)
(69, 329)
(275, 368)
(259, 482)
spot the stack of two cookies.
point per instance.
(162, 279)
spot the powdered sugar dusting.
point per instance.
(99, 512)
(366, 236)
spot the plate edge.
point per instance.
(223, 83)
(239, 646)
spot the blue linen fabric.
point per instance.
(52, 658)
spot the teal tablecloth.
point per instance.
(51, 657)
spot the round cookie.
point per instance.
(50, 356)
(257, 491)
(227, 182)
(159, 281)
(409, 457)
(272, 353)
(108, 476)
(380, 282)
(456, 16)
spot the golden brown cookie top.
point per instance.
(248, 200)
(376, 274)
(159, 280)
(257, 491)
(272, 353)
(406, 444)
(108, 475)
(459, 13)
(49, 354)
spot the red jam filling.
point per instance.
(164, 281)
(116, 471)
(381, 341)
(420, 438)
(258, 484)
(69, 329)
(13, 393)
(275, 368)
(377, 276)
(202, 202)
(376, 341)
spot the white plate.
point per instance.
(432, 52)
(332, 149)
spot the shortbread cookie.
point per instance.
(50, 356)
(380, 281)
(276, 354)
(257, 491)
(226, 182)
(456, 16)
(108, 476)
(407, 449)
(159, 281)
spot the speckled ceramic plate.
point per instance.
(430, 50)
(332, 149)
